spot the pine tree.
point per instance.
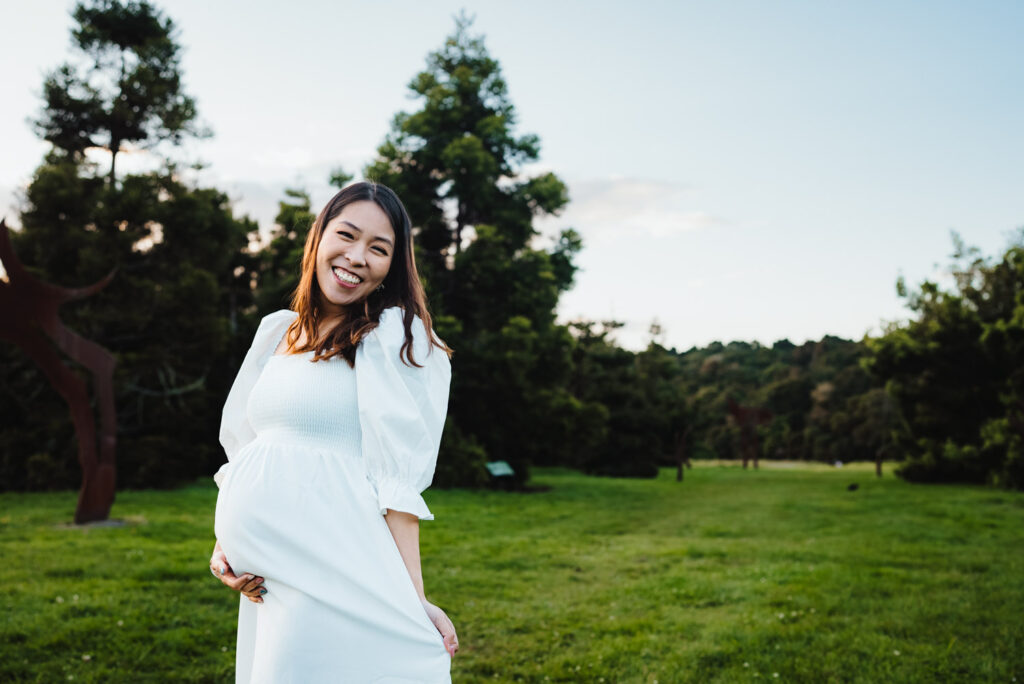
(458, 166)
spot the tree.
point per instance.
(126, 87)
(457, 165)
(956, 371)
(178, 313)
(281, 260)
(635, 410)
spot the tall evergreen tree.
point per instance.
(458, 166)
(124, 87)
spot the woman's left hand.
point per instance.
(444, 626)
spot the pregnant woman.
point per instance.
(332, 429)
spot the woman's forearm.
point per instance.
(405, 528)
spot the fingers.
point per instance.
(223, 572)
(447, 630)
(219, 564)
(255, 595)
(444, 627)
(248, 584)
(253, 584)
(451, 642)
(251, 587)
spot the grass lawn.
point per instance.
(780, 574)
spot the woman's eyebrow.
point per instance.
(355, 227)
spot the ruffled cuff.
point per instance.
(219, 476)
(401, 496)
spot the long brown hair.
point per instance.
(402, 286)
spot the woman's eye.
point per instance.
(381, 250)
(346, 234)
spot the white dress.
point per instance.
(316, 454)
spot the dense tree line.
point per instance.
(171, 314)
(942, 392)
(957, 372)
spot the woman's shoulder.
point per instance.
(278, 317)
(391, 327)
(390, 332)
(272, 326)
(392, 323)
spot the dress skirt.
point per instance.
(340, 604)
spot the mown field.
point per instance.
(781, 574)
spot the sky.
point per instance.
(738, 170)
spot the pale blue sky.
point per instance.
(739, 170)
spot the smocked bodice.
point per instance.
(301, 402)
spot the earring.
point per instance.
(380, 287)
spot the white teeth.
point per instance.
(347, 277)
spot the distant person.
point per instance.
(332, 429)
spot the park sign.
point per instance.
(500, 469)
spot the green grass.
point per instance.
(730, 576)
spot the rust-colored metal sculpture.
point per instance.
(28, 310)
(748, 418)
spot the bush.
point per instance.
(461, 461)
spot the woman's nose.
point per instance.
(355, 256)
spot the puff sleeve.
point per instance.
(235, 430)
(402, 411)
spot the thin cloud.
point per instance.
(599, 208)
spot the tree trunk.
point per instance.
(460, 223)
(113, 162)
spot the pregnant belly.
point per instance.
(280, 507)
(310, 524)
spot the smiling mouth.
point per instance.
(345, 278)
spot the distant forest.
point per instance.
(943, 394)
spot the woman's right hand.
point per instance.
(248, 584)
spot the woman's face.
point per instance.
(354, 255)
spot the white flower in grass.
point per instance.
(224, 648)
(75, 598)
(86, 657)
(746, 664)
(120, 623)
(782, 616)
(59, 599)
(775, 675)
(895, 652)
